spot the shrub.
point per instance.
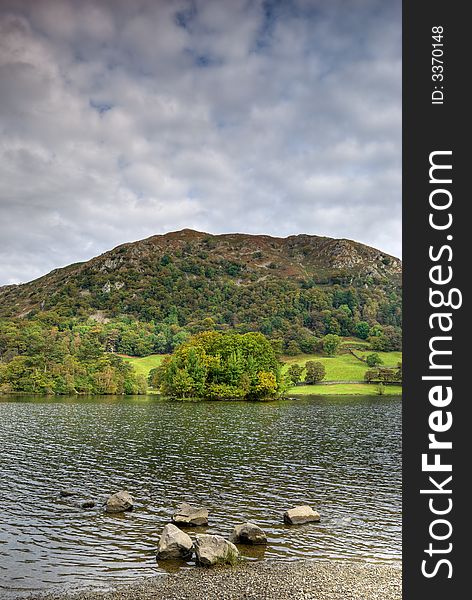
(373, 360)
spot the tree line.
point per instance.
(41, 359)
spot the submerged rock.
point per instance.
(214, 550)
(189, 515)
(119, 502)
(67, 492)
(87, 504)
(301, 514)
(248, 533)
(174, 543)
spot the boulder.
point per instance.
(214, 550)
(301, 514)
(174, 543)
(190, 515)
(119, 502)
(248, 533)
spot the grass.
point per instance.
(347, 389)
(343, 367)
(352, 341)
(144, 364)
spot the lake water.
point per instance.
(244, 461)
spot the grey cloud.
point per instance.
(125, 119)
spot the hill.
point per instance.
(232, 278)
(288, 288)
(63, 332)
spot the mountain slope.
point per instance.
(232, 278)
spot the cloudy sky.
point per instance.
(121, 119)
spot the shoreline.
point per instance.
(328, 388)
(300, 580)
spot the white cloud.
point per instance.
(124, 119)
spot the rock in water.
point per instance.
(189, 515)
(174, 543)
(67, 492)
(214, 550)
(248, 533)
(301, 514)
(119, 502)
(87, 504)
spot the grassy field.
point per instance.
(144, 364)
(343, 367)
(346, 389)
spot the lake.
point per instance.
(242, 460)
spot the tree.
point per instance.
(332, 326)
(400, 370)
(386, 338)
(315, 372)
(309, 344)
(217, 365)
(278, 346)
(294, 374)
(331, 344)
(266, 385)
(293, 348)
(362, 330)
(373, 360)
(154, 377)
(383, 375)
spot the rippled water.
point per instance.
(245, 461)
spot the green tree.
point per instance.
(362, 330)
(63, 360)
(292, 348)
(331, 344)
(294, 373)
(217, 365)
(315, 372)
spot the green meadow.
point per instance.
(144, 364)
(344, 389)
(344, 367)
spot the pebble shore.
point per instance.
(301, 580)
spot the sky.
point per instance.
(123, 119)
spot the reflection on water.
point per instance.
(245, 461)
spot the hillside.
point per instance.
(196, 275)
(291, 289)
(63, 333)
